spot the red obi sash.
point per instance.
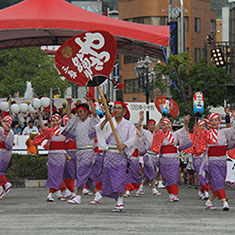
(71, 145)
(57, 145)
(217, 151)
(135, 153)
(2, 145)
(168, 149)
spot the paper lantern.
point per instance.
(36, 103)
(31, 109)
(24, 108)
(45, 102)
(15, 108)
(4, 106)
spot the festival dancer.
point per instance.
(81, 128)
(218, 142)
(6, 145)
(115, 165)
(188, 155)
(150, 158)
(96, 175)
(164, 144)
(134, 176)
(56, 156)
(200, 145)
(70, 164)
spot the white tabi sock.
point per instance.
(98, 196)
(120, 201)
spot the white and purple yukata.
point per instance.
(70, 164)
(134, 176)
(169, 158)
(6, 145)
(215, 156)
(151, 159)
(115, 166)
(56, 162)
(83, 132)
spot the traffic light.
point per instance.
(218, 57)
(173, 36)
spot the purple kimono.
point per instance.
(151, 159)
(217, 164)
(115, 168)
(83, 132)
(6, 144)
(56, 161)
(169, 162)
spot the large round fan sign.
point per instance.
(166, 106)
(87, 59)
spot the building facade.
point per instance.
(199, 21)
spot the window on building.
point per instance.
(197, 25)
(197, 54)
(186, 24)
(163, 20)
(132, 86)
(213, 26)
(140, 20)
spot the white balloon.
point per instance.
(24, 108)
(15, 108)
(36, 103)
(4, 106)
(31, 109)
(45, 102)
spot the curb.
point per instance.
(28, 183)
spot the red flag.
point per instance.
(87, 58)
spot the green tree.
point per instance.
(7, 3)
(188, 77)
(19, 65)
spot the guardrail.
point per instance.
(21, 148)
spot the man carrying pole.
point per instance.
(116, 155)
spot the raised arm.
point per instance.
(68, 107)
(107, 118)
(89, 100)
(186, 121)
(5, 127)
(141, 119)
(41, 121)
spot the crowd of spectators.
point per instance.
(25, 123)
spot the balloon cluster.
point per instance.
(24, 107)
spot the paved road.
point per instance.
(25, 211)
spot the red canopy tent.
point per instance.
(52, 22)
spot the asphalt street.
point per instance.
(25, 211)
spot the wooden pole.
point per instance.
(110, 121)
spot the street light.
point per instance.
(145, 75)
(218, 56)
